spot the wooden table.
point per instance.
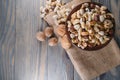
(22, 57)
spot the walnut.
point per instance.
(66, 44)
(61, 30)
(48, 31)
(40, 36)
(53, 41)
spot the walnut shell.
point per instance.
(40, 36)
(48, 31)
(66, 44)
(53, 41)
(61, 30)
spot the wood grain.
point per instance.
(22, 57)
(7, 39)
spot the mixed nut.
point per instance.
(50, 6)
(90, 26)
(58, 8)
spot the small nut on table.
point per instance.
(65, 42)
(53, 41)
(61, 30)
(40, 36)
(48, 31)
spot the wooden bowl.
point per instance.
(90, 48)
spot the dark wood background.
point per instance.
(22, 57)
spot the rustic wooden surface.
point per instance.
(22, 57)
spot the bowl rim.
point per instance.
(96, 47)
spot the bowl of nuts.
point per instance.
(90, 26)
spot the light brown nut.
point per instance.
(82, 11)
(84, 33)
(106, 38)
(83, 25)
(56, 8)
(102, 18)
(42, 15)
(97, 42)
(66, 13)
(101, 39)
(66, 44)
(111, 15)
(85, 17)
(74, 16)
(97, 36)
(76, 27)
(41, 8)
(101, 33)
(90, 31)
(103, 12)
(86, 4)
(55, 17)
(69, 24)
(58, 1)
(84, 44)
(63, 19)
(87, 9)
(59, 14)
(78, 14)
(103, 8)
(61, 31)
(40, 36)
(108, 24)
(79, 44)
(48, 31)
(53, 41)
(96, 28)
(79, 34)
(75, 40)
(93, 41)
(68, 10)
(89, 17)
(72, 35)
(98, 7)
(76, 21)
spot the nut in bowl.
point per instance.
(90, 26)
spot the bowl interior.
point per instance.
(89, 48)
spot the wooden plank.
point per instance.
(7, 39)
(28, 49)
(59, 66)
(22, 57)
